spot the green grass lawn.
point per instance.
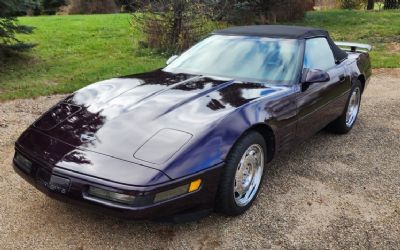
(74, 51)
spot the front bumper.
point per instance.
(73, 188)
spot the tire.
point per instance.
(248, 155)
(345, 122)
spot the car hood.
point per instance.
(146, 118)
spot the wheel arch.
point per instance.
(269, 137)
(362, 80)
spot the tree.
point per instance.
(391, 4)
(91, 6)
(9, 26)
(271, 11)
(128, 5)
(350, 4)
(370, 4)
(51, 7)
(172, 26)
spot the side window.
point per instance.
(318, 54)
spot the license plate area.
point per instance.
(52, 182)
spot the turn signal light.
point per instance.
(194, 185)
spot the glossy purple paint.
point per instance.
(103, 134)
(118, 118)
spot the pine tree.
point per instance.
(9, 26)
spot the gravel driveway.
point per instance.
(330, 192)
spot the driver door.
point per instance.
(322, 102)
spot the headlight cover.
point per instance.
(23, 163)
(169, 194)
(181, 190)
(131, 200)
(111, 196)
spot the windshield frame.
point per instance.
(297, 72)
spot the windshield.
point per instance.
(238, 57)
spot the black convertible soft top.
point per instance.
(284, 31)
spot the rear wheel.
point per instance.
(243, 175)
(346, 121)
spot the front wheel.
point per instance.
(242, 176)
(346, 121)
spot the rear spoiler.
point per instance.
(354, 47)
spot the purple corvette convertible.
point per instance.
(197, 135)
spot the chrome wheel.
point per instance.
(353, 107)
(248, 175)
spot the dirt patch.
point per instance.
(392, 72)
(393, 47)
(334, 192)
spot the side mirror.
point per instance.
(171, 59)
(314, 76)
